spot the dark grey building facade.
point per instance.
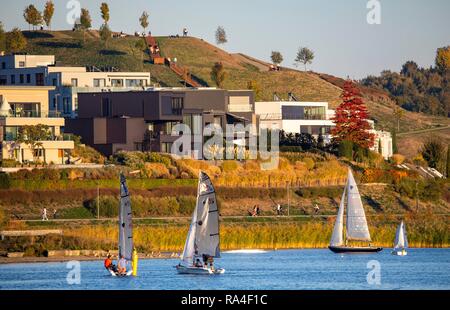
(143, 120)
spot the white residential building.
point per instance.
(296, 117)
(313, 118)
(42, 70)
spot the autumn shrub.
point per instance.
(9, 163)
(229, 166)
(309, 163)
(397, 159)
(345, 149)
(156, 171)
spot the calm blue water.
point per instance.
(290, 270)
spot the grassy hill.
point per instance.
(199, 56)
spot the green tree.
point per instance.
(304, 56)
(218, 74)
(346, 149)
(104, 9)
(32, 16)
(15, 41)
(49, 10)
(85, 22)
(143, 20)
(443, 58)
(33, 135)
(221, 35)
(433, 151)
(2, 38)
(276, 57)
(105, 34)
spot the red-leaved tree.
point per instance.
(351, 118)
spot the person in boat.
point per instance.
(197, 263)
(122, 265)
(109, 264)
(211, 262)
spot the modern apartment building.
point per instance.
(28, 105)
(143, 120)
(313, 118)
(68, 82)
(296, 117)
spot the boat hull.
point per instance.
(115, 274)
(399, 253)
(345, 249)
(198, 270)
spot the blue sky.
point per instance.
(336, 30)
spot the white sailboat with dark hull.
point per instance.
(401, 241)
(202, 243)
(356, 223)
(125, 227)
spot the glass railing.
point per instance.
(64, 137)
(31, 114)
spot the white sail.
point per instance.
(357, 228)
(401, 241)
(203, 236)
(337, 237)
(189, 246)
(125, 223)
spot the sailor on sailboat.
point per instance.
(125, 233)
(202, 242)
(356, 225)
(401, 241)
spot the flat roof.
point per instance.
(27, 87)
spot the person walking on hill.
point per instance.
(44, 214)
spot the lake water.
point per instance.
(284, 269)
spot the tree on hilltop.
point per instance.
(104, 9)
(85, 22)
(221, 35)
(32, 16)
(143, 20)
(276, 57)
(304, 56)
(49, 10)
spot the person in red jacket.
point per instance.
(109, 264)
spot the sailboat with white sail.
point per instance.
(356, 223)
(401, 241)
(202, 243)
(125, 229)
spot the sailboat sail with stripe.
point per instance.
(356, 223)
(202, 243)
(125, 226)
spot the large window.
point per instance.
(194, 121)
(99, 82)
(117, 83)
(177, 105)
(28, 78)
(135, 83)
(315, 130)
(13, 79)
(315, 113)
(306, 113)
(22, 79)
(25, 109)
(167, 127)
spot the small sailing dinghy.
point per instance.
(202, 243)
(401, 241)
(356, 223)
(125, 229)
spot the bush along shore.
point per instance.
(426, 230)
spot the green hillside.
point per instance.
(199, 56)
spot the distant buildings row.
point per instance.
(115, 111)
